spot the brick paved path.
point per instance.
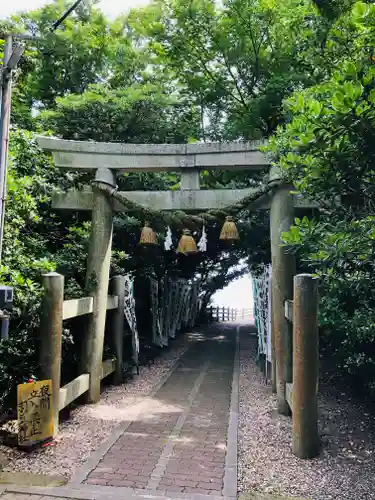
(179, 443)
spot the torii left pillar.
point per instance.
(97, 281)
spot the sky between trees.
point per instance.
(110, 7)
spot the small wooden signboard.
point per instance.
(35, 416)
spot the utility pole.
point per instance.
(12, 57)
(6, 95)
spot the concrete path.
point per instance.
(183, 443)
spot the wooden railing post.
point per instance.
(305, 440)
(51, 327)
(218, 313)
(118, 288)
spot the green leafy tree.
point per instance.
(140, 113)
(87, 49)
(327, 151)
(232, 60)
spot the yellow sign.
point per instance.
(34, 408)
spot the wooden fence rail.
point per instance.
(220, 313)
(55, 311)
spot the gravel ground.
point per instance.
(345, 469)
(90, 425)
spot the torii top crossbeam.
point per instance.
(155, 157)
(188, 159)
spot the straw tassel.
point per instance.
(229, 230)
(187, 244)
(148, 236)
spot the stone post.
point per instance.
(51, 327)
(273, 352)
(190, 179)
(118, 288)
(305, 440)
(97, 279)
(283, 270)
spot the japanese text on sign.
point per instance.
(34, 408)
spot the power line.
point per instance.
(57, 23)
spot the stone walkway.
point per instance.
(183, 441)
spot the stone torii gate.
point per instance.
(188, 159)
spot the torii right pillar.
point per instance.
(283, 271)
